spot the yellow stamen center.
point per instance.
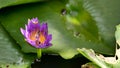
(42, 38)
(33, 35)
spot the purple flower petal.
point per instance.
(44, 29)
(49, 38)
(33, 24)
(22, 31)
(31, 42)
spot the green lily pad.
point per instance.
(5, 3)
(64, 41)
(106, 15)
(99, 61)
(10, 54)
(93, 21)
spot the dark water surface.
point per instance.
(51, 61)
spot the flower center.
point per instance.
(37, 36)
(42, 38)
(33, 35)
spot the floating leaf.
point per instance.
(98, 60)
(91, 20)
(10, 54)
(64, 41)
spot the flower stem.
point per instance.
(39, 53)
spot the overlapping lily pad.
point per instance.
(10, 54)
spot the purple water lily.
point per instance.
(36, 34)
